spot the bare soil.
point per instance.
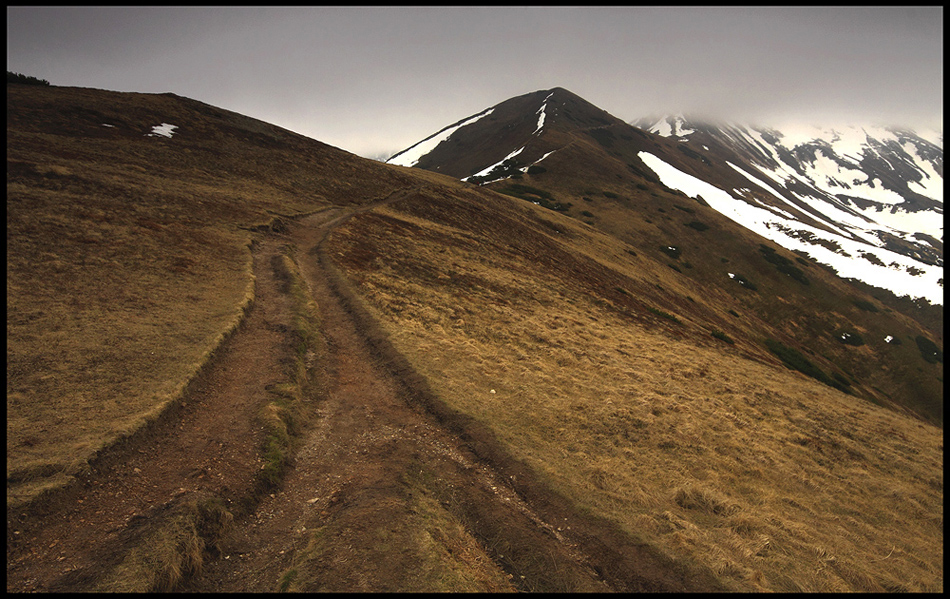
(345, 508)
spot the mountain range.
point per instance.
(544, 349)
(866, 201)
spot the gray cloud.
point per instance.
(377, 79)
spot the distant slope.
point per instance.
(697, 208)
(866, 200)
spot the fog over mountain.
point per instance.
(374, 80)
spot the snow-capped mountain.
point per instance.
(871, 193)
(521, 131)
(866, 201)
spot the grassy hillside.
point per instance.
(618, 360)
(585, 164)
(544, 330)
(127, 256)
(768, 291)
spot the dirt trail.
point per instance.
(350, 475)
(348, 508)
(210, 446)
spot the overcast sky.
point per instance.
(375, 80)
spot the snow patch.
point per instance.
(542, 111)
(410, 156)
(926, 284)
(163, 130)
(662, 128)
(488, 169)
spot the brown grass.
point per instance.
(446, 555)
(128, 264)
(106, 326)
(774, 481)
(171, 548)
(127, 257)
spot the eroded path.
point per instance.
(210, 446)
(345, 518)
(385, 493)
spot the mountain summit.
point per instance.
(523, 131)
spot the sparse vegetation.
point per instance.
(849, 338)
(865, 305)
(698, 225)
(722, 336)
(24, 79)
(604, 137)
(783, 264)
(691, 153)
(535, 195)
(671, 250)
(745, 282)
(929, 350)
(508, 168)
(796, 361)
(282, 415)
(172, 547)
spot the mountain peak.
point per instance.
(486, 144)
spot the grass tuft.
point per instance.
(171, 547)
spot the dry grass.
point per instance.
(771, 479)
(127, 257)
(128, 263)
(106, 325)
(171, 548)
(445, 556)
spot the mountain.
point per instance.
(867, 202)
(857, 195)
(726, 239)
(239, 359)
(527, 126)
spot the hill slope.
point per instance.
(875, 193)
(554, 149)
(561, 374)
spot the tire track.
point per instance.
(209, 446)
(350, 476)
